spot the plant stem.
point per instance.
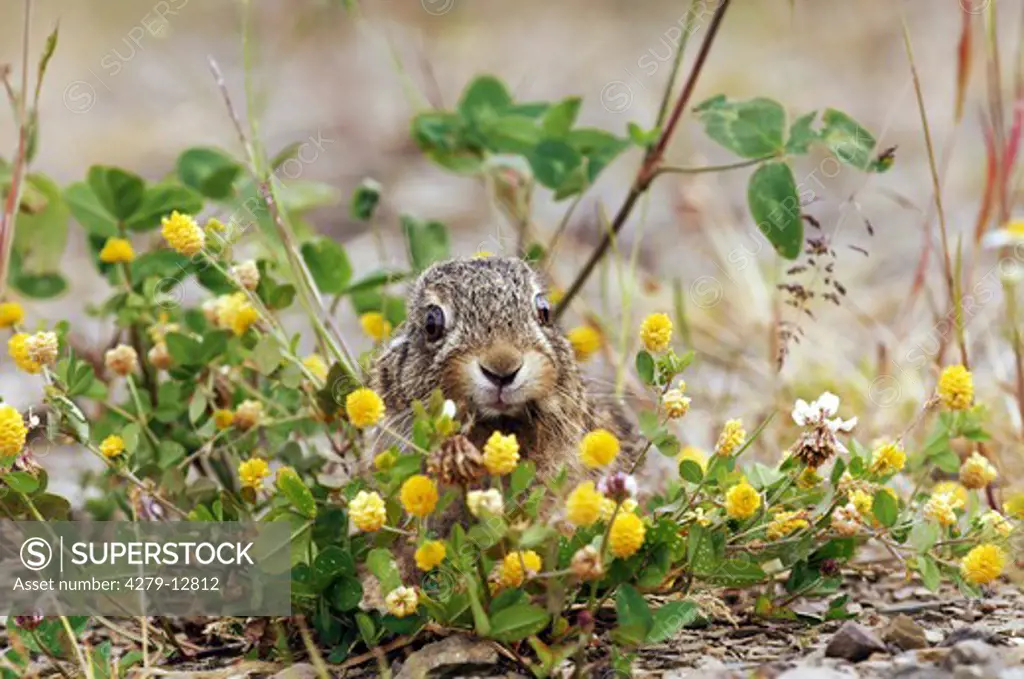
(648, 169)
(670, 169)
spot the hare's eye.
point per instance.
(540, 303)
(433, 323)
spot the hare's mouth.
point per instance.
(504, 395)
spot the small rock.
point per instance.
(968, 632)
(904, 633)
(932, 655)
(933, 636)
(854, 642)
(971, 652)
(453, 656)
(804, 671)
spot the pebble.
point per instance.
(854, 642)
(904, 633)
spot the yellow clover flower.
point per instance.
(583, 506)
(996, 522)
(675, 403)
(12, 431)
(983, 564)
(364, 408)
(939, 508)
(375, 325)
(628, 506)
(384, 461)
(11, 314)
(742, 501)
(1015, 506)
(626, 535)
(402, 601)
(785, 523)
(419, 495)
(316, 365)
(956, 388)
(235, 313)
(959, 493)
(501, 453)
(367, 511)
(977, 472)
(117, 251)
(731, 439)
(887, 458)
(656, 332)
(183, 234)
(16, 347)
(252, 472)
(586, 340)
(112, 446)
(223, 418)
(430, 554)
(512, 572)
(599, 448)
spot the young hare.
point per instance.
(482, 331)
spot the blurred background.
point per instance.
(130, 85)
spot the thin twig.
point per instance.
(646, 173)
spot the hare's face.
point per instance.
(480, 330)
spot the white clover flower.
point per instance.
(448, 408)
(484, 502)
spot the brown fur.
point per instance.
(491, 320)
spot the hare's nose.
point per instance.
(501, 379)
(500, 365)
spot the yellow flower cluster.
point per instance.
(586, 340)
(996, 522)
(12, 431)
(316, 365)
(626, 535)
(430, 554)
(248, 415)
(223, 418)
(958, 492)
(419, 495)
(583, 506)
(375, 325)
(513, 573)
(656, 332)
(183, 234)
(675, 403)
(940, 508)
(983, 564)
(599, 448)
(42, 348)
(887, 458)
(234, 312)
(11, 314)
(364, 408)
(501, 453)
(956, 388)
(16, 347)
(402, 601)
(731, 439)
(785, 523)
(112, 446)
(628, 506)
(121, 360)
(252, 472)
(367, 511)
(977, 472)
(742, 501)
(117, 251)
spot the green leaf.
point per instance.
(599, 148)
(802, 134)
(364, 200)
(884, 508)
(428, 241)
(300, 497)
(751, 129)
(929, 570)
(328, 263)
(40, 235)
(266, 355)
(160, 201)
(118, 191)
(923, 536)
(775, 206)
(691, 471)
(645, 366)
(633, 615)
(517, 622)
(183, 349)
(20, 482)
(511, 134)
(521, 477)
(41, 286)
(850, 142)
(560, 118)
(331, 563)
(552, 162)
(738, 572)
(209, 171)
(382, 565)
(485, 97)
(671, 618)
(88, 211)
